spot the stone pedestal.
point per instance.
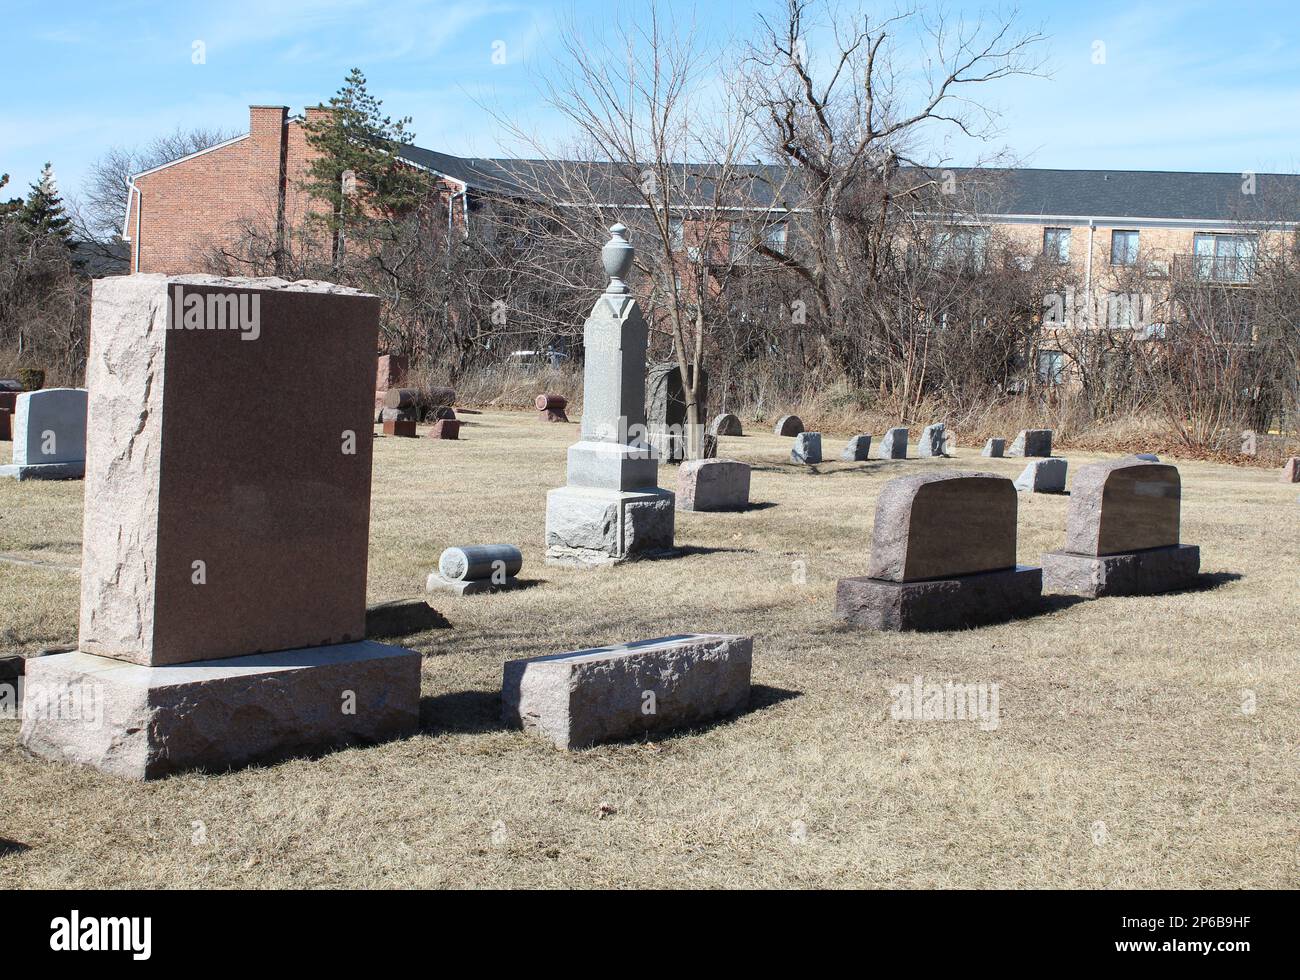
(144, 722)
(404, 428)
(1133, 573)
(587, 527)
(939, 604)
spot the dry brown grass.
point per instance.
(1126, 712)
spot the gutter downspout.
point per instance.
(451, 201)
(1087, 283)
(133, 188)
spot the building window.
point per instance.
(961, 247)
(1123, 247)
(774, 236)
(1056, 244)
(1051, 367)
(677, 233)
(1224, 258)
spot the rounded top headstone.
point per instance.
(617, 257)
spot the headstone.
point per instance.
(445, 429)
(1032, 442)
(1148, 457)
(402, 427)
(579, 699)
(894, 445)
(943, 556)
(612, 509)
(807, 448)
(934, 441)
(858, 449)
(713, 484)
(390, 372)
(396, 415)
(49, 435)
(477, 569)
(6, 425)
(1122, 533)
(994, 447)
(1291, 471)
(223, 582)
(788, 425)
(550, 407)
(666, 418)
(1249, 442)
(1043, 476)
(726, 424)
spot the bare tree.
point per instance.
(100, 208)
(844, 123)
(663, 149)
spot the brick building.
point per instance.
(1101, 223)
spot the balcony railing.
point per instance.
(1226, 269)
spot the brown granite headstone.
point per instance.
(445, 429)
(253, 535)
(943, 525)
(390, 371)
(400, 427)
(1121, 506)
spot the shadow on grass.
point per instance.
(686, 550)
(462, 712)
(9, 847)
(1208, 582)
(404, 617)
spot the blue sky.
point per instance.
(1211, 85)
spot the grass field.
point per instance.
(1145, 742)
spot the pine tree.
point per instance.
(356, 137)
(42, 213)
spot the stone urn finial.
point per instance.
(617, 259)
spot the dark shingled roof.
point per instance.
(1022, 191)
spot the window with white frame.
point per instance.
(1123, 247)
(1224, 258)
(1056, 244)
(677, 233)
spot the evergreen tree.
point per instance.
(356, 137)
(11, 207)
(42, 213)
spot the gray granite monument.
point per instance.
(612, 509)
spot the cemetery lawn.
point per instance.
(1143, 742)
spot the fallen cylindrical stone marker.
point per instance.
(479, 561)
(543, 402)
(475, 569)
(588, 696)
